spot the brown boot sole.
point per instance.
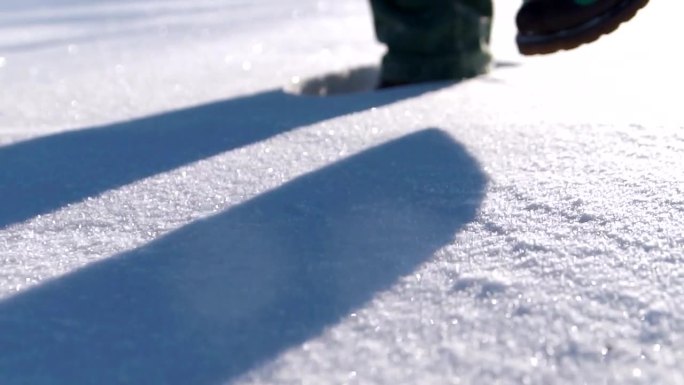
(583, 34)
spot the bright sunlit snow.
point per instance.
(177, 208)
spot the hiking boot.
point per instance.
(546, 26)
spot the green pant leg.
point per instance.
(433, 39)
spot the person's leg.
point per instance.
(431, 40)
(546, 26)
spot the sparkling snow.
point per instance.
(174, 211)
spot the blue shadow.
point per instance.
(210, 301)
(44, 174)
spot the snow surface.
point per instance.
(173, 212)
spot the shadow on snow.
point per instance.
(44, 174)
(210, 301)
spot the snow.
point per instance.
(175, 211)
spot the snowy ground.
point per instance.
(169, 215)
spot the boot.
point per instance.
(432, 40)
(546, 26)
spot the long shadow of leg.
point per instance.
(210, 301)
(41, 175)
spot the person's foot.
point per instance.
(547, 26)
(437, 40)
(401, 69)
